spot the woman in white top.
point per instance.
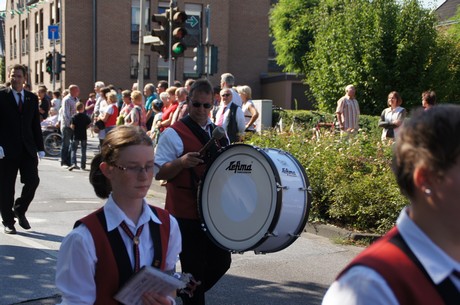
(392, 117)
(250, 112)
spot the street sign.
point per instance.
(53, 32)
(193, 27)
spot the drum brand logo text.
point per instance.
(288, 172)
(237, 167)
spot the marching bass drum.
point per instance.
(254, 199)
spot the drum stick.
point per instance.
(217, 134)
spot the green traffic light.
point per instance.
(178, 48)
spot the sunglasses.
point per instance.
(226, 94)
(198, 105)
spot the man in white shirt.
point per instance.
(230, 116)
(227, 81)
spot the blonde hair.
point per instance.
(246, 90)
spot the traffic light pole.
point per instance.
(140, 55)
(171, 63)
(53, 66)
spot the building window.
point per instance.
(25, 36)
(36, 32)
(15, 41)
(11, 43)
(134, 66)
(162, 69)
(41, 29)
(37, 72)
(135, 17)
(42, 72)
(189, 71)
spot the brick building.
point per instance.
(99, 39)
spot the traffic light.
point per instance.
(162, 33)
(213, 59)
(199, 59)
(60, 63)
(178, 33)
(49, 63)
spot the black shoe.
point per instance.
(23, 222)
(10, 229)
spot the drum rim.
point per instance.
(306, 213)
(277, 209)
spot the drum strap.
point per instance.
(204, 136)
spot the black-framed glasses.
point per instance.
(135, 170)
(225, 94)
(198, 105)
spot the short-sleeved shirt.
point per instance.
(81, 122)
(349, 111)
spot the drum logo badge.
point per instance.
(288, 172)
(237, 167)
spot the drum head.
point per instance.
(238, 199)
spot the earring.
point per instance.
(427, 191)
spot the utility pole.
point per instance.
(171, 62)
(140, 58)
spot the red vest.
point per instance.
(181, 195)
(407, 281)
(107, 276)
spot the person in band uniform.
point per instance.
(179, 161)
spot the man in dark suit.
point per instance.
(21, 144)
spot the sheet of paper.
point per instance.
(147, 279)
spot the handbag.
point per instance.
(100, 124)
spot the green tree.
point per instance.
(292, 30)
(378, 45)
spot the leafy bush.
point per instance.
(351, 178)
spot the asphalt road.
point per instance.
(299, 274)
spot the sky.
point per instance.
(425, 3)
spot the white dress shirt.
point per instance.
(76, 266)
(239, 117)
(363, 285)
(171, 147)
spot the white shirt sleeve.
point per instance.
(360, 286)
(240, 120)
(169, 148)
(76, 269)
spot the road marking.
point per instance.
(81, 201)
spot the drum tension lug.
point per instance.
(272, 234)
(294, 235)
(307, 189)
(279, 186)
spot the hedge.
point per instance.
(351, 179)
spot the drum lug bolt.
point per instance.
(279, 187)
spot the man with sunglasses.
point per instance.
(179, 161)
(230, 116)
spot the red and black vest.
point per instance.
(391, 257)
(182, 190)
(113, 267)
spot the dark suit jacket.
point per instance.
(19, 129)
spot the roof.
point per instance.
(447, 10)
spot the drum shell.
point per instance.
(262, 204)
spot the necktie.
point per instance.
(20, 102)
(220, 122)
(135, 239)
